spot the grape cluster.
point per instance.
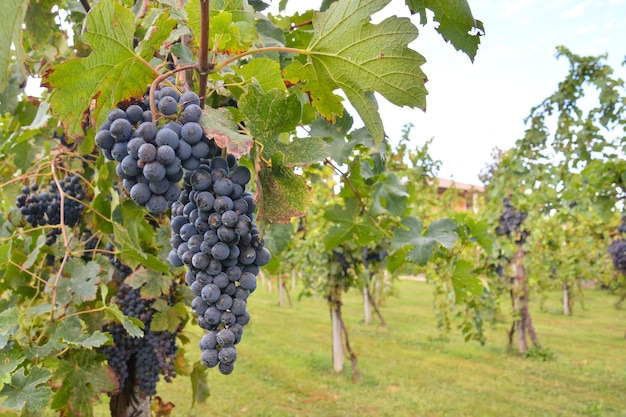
(617, 250)
(140, 360)
(41, 207)
(151, 157)
(511, 222)
(214, 235)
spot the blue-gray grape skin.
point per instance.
(207, 207)
(213, 232)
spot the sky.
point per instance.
(473, 108)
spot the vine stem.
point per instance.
(158, 81)
(335, 168)
(63, 232)
(237, 57)
(203, 56)
(78, 313)
(21, 268)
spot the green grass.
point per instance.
(284, 366)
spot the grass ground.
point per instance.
(284, 366)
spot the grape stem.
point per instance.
(335, 168)
(158, 80)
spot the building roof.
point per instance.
(445, 184)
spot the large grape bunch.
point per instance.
(214, 235)
(139, 361)
(150, 156)
(40, 207)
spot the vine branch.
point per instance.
(203, 57)
(226, 62)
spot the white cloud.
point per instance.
(576, 10)
(586, 29)
(507, 9)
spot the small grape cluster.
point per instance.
(135, 359)
(40, 207)
(617, 250)
(214, 235)
(151, 157)
(511, 222)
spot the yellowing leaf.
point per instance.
(83, 87)
(348, 52)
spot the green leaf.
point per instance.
(9, 320)
(11, 35)
(25, 390)
(350, 53)
(465, 281)
(70, 331)
(420, 248)
(281, 195)
(170, 318)
(444, 231)
(82, 378)
(228, 36)
(80, 282)
(303, 151)
(390, 196)
(264, 71)
(220, 125)
(267, 114)
(349, 226)
(132, 325)
(153, 284)
(480, 232)
(199, 388)
(10, 361)
(456, 23)
(112, 72)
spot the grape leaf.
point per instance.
(70, 331)
(199, 388)
(465, 281)
(132, 325)
(80, 282)
(169, 318)
(11, 360)
(9, 320)
(444, 232)
(39, 21)
(267, 114)
(11, 35)
(348, 52)
(349, 226)
(420, 248)
(265, 71)
(456, 23)
(152, 283)
(284, 194)
(113, 71)
(220, 125)
(81, 378)
(231, 37)
(390, 196)
(25, 390)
